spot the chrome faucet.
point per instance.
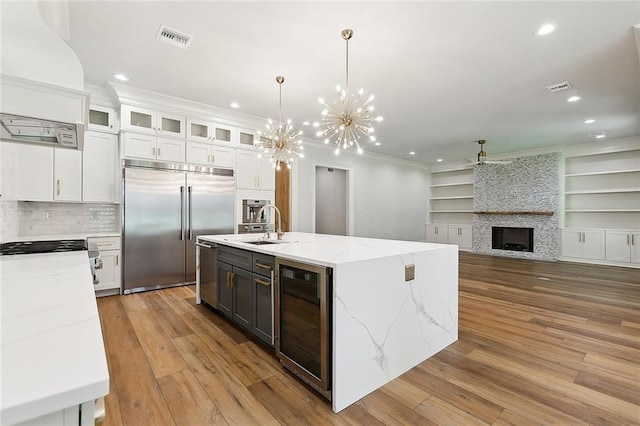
(279, 232)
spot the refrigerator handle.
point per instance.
(182, 213)
(190, 232)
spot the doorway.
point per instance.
(331, 201)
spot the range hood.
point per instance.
(17, 128)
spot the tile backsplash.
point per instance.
(30, 218)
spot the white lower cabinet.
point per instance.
(623, 246)
(152, 147)
(583, 243)
(79, 415)
(437, 234)
(460, 235)
(109, 275)
(99, 168)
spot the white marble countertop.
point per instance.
(321, 249)
(52, 352)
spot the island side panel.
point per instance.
(383, 325)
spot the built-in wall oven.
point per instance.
(303, 322)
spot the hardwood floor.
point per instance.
(539, 343)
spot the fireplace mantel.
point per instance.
(537, 213)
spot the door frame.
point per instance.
(350, 197)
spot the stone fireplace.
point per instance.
(522, 194)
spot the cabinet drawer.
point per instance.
(263, 264)
(235, 257)
(105, 243)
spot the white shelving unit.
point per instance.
(451, 197)
(602, 190)
(451, 207)
(602, 207)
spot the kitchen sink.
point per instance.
(263, 242)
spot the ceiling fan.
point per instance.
(482, 156)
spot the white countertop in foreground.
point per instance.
(321, 249)
(52, 352)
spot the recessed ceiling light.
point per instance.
(377, 144)
(589, 121)
(305, 123)
(573, 98)
(545, 29)
(597, 135)
(121, 77)
(234, 105)
(412, 153)
(439, 160)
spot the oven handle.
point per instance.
(204, 245)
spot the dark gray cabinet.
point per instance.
(235, 295)
(245, 290)
(262, 287)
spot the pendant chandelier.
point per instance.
(280, 142)
(349, 118)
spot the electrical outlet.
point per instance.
(409, 272)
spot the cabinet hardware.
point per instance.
(233, 276)
(116, 260)
(263, 266)
(633, 240)
(209, 159)
(58, 187)
(158, 152)
(228, 276)
(213, 158)
(262, 282)
(153, 152)
(627, 239)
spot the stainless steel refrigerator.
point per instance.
(165, 207)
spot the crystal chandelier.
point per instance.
(349, 118)
(280, 142)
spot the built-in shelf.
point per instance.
(450, 184)
(609, 172)
(604, 191)
(462, 197)
(518, 213)
(602, 211)
(451, 211)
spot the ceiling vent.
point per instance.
(173, 37)
(558, 87)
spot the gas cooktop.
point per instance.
(46, 246)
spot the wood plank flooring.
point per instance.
(539, 343)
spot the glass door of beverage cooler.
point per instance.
(303, 322)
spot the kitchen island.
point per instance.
(53, 363)
(395, 303)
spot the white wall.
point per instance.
(389, 196)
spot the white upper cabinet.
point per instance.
(207, 154)
(102, 119)
(247, 139)
(153, 122)
(253, 172)
(46, 174)
(153, 148)
(34, 178)
(207, 131)
(100, 168)
(67, 167)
